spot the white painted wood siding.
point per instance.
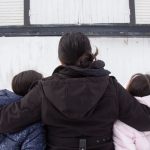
(11, 12)
(142, 9)
(79, 11)
(123, 56)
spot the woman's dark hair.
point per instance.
(23, 81)
(139, 85)
(75, 49)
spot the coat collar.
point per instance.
(95, 69)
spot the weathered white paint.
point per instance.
(123, 56)
(11, 12)
(79, 11)
(142, 9)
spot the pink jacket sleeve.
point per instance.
(123, 136)
(127, 138)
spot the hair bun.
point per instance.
(85, 60)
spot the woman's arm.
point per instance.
(144, 100)
(15, 116)
(131, 111)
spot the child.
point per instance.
(126, 137)
(31, 137)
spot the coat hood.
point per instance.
(76, 91)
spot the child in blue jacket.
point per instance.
(31, 137)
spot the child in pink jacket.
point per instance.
(126, 137)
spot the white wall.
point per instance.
(123, 56)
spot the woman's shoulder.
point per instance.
(113, 80)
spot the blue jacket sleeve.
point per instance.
(35, 139)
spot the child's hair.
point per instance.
(23, 81)
(139, 85)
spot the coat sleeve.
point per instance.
(144, 100)
(131, 111)
(15, 116)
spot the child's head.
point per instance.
(23, 81)
(139, 85)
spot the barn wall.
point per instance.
(123, 56)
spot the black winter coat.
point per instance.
(77, 106)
